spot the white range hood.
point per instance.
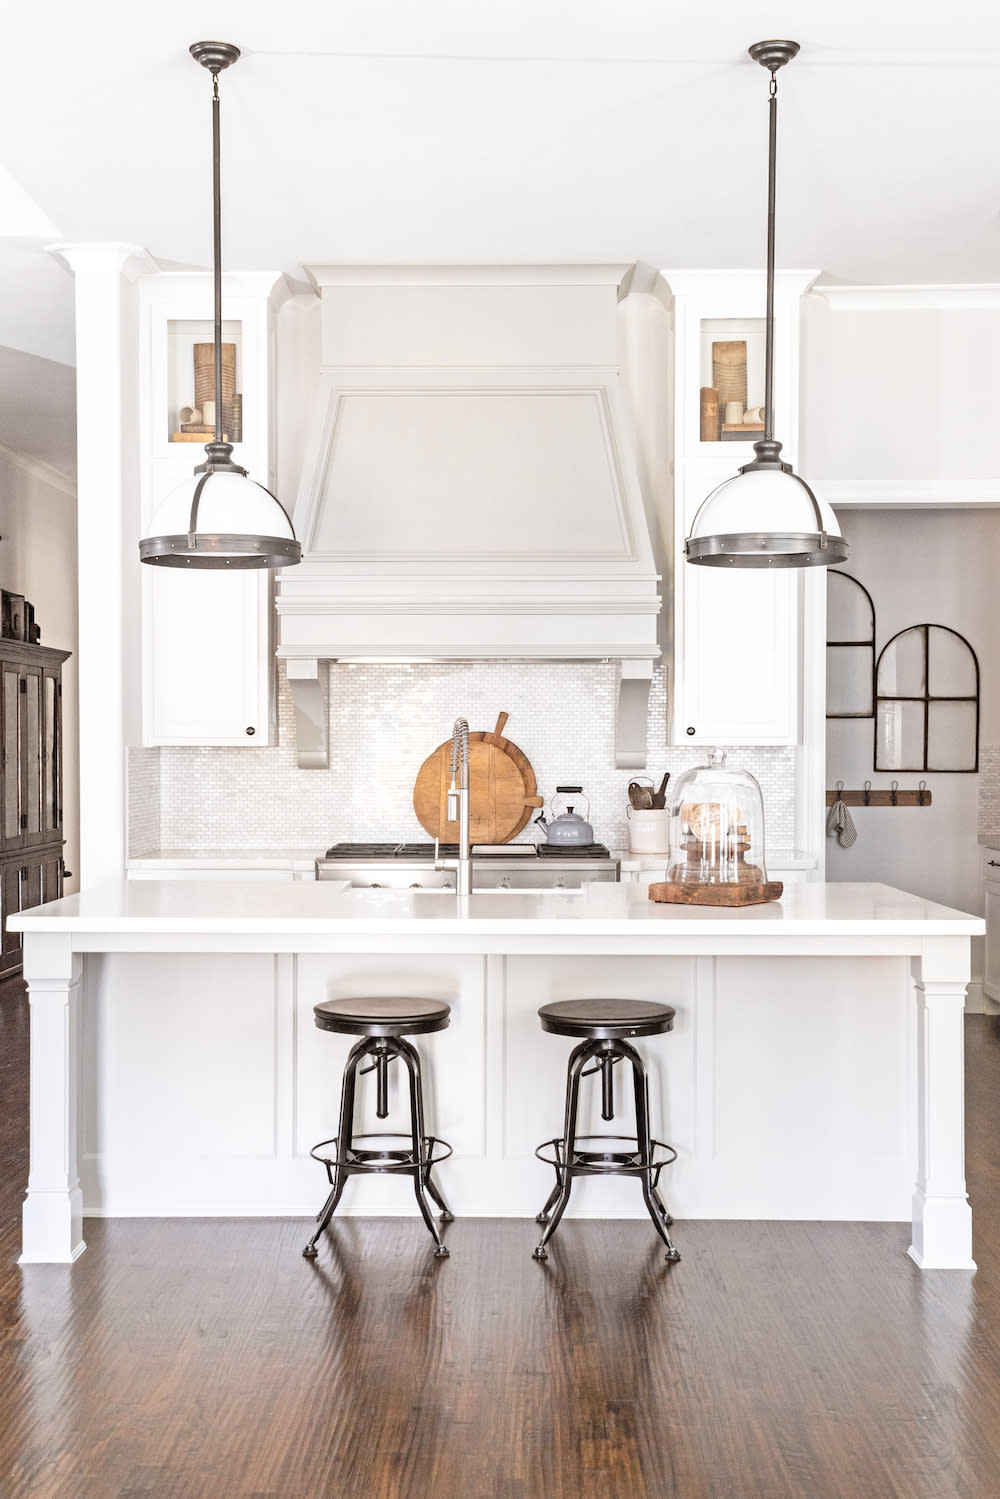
(470, 490)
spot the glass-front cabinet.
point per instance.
(31, 818)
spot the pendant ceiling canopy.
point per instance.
(220, 517)
(766, 516)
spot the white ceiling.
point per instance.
(518, 131)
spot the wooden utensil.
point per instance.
(640, 796)
(502, 789)
(660, 797)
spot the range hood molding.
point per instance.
(470, 490)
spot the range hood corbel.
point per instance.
(470, 490)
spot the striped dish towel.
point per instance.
(840, 823)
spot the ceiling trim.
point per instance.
(927, 298)
(54, 477)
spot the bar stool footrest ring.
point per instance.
(607, 1155)
(364, 1154)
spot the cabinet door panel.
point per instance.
(10, 902)
(207, 657)
(51, 754)
(739, 678)
(52, 879)
(31, 755)
(10, 698)
(991, 966)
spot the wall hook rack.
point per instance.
(893, 797)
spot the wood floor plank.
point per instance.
(195, 1358)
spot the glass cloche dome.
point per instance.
(717, 834)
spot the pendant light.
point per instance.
(220, 518)
(766, 516)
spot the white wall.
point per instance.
(936, 567)
(38, 560)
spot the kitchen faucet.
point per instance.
(458, 806)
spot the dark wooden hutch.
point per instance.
(31, 810)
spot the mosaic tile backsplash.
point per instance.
(385, 720)
(989, 789)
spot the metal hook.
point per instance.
(840, 787)
(921, 789)
(868, 793)
(895, 788)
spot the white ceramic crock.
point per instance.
(648, 830)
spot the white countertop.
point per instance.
(287, 909)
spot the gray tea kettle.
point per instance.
(569, 829)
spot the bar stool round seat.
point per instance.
(382, 1016)
(382, 1023)
(605, 1027)
(601, 1019)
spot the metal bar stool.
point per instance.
(382, 1023)
(604, 1024)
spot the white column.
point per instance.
(942, 1217)
(107, 510)
(52, 1218)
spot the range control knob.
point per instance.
(559, 885)
(416, 886)
(375, 885)
(448, 885)
(504, 884)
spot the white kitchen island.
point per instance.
(815, 1070)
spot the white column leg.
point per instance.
(52, 1219)
(942, 1216)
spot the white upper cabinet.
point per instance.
(208, 649)
(898, 386)
(736, 633)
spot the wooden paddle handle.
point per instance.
(500, 723)
(534, 801)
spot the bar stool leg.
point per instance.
(420, 1170)
(564, 1184)
(543, 1216)
(345, 1138)
(655, 1205)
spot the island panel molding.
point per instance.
(818, 1085)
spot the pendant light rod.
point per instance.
(217, 251)
(216, 57)
(772, 152)
(771, 55)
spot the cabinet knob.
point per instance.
(993, 864)
(690, 729)
(251, 729)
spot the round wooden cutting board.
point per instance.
(502, 789)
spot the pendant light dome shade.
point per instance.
(765, 517)
(220, 517)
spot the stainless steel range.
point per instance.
(507, 866)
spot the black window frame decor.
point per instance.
(926, 698)
(861, 645)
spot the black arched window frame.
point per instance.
(926, 698)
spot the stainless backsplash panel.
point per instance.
(384, 721)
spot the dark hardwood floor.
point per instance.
(183, 1359)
